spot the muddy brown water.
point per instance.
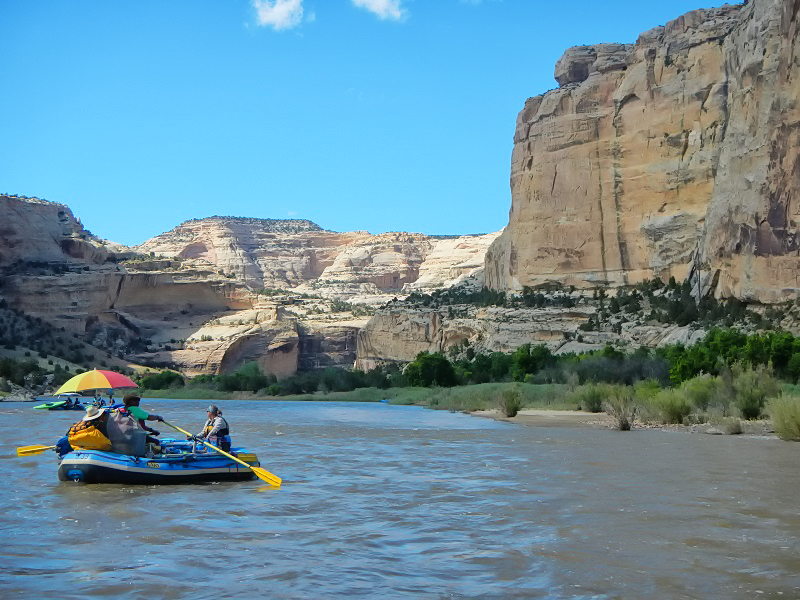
(384, 501)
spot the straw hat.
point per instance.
(93, 413)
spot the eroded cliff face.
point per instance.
(304, 271)
(398, 333)
(33, 230)
(273, 254)
(673, 155)
(750, 242)
(194, 298)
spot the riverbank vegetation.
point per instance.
(727, 377)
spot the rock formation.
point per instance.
(398, 333)
(215, 293)
(273, 254)
(749, 248)
(676, 155)
(672, 155)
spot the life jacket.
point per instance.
(221, 439)
(225, 431)
(85, 435)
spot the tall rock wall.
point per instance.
(751, 240)
(672, 155)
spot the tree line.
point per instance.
(672, 365)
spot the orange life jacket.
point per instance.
(84, 435)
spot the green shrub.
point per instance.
(730, 425)
(700, 391)
(785, 415)
(430, 370)
(591, 397)
(162, 381)
(510, 402)
(621, 405)
(644, 391)
(671, 406)
(793, 367)
(752, 387)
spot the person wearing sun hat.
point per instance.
(91, 432)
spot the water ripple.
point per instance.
(385, 501)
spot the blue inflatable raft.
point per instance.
(179, 462)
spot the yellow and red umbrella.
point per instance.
(96, 380)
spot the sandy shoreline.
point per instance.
(551, 418)
(576, 418)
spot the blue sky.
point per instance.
(377, 115)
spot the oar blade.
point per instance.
(262, 474)
(266, 476)
(29, 450)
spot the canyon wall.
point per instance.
(670, 156)
(273, 254)
(212, 294)
(750, 243)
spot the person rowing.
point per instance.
(216, 430)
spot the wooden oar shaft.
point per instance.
(256, 470)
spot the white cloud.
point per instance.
(384, 9)
(279, 14)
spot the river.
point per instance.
(383, 501)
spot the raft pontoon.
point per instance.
(180, 462)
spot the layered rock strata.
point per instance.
(672, 155)
(215, 293)
(750, 242)
(398, 333)
(270, 254)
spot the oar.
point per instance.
(262, 474)
(28, 450)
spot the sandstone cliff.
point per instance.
(274, 254)
(672, 155)
(750, 246)
(398, 333)
(303, 271)
(215, 293)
